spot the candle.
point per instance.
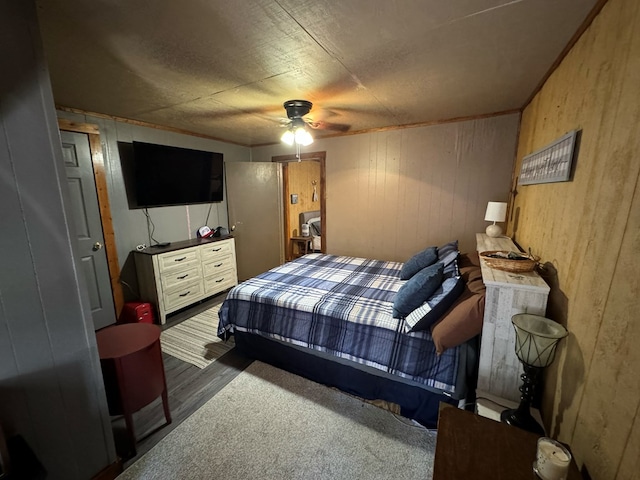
(552, 460)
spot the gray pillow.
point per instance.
(417, 290)
(419, 261)
(448, 255)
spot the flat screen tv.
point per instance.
(164, 176)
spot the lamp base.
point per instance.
(517, 418)
(493, 230)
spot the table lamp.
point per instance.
(496, 212)
(536, 340)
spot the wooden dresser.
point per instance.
(177, 276)
(507, 294)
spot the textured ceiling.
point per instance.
(224, 68)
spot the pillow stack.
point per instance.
(433, 284)
(464, 318)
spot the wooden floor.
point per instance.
(189, 388)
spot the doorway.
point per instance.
(84, 163)
(255, 210)
(304, 187)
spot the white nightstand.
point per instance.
(507, 294)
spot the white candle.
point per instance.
(552, 460)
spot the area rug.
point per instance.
(194, 340)
(270, 424)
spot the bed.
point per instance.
(333, 319)
(312, 218)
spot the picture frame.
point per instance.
(551, 163)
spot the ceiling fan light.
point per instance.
(288, 137)
(303, 137)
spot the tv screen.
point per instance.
(164, 176)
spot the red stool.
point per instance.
(132, 370)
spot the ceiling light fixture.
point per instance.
(297, 133)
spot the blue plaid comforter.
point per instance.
(342, 306)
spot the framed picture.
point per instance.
(551, 163)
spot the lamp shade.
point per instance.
(536, 339)
(297, 133)
(496, 212)
(288, 137)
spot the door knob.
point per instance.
(97, 246)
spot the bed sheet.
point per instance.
(342, 306)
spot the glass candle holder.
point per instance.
(552, 460)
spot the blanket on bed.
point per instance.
(342, 306)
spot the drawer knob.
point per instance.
(179, 259)
(218, 265)
(221, 280)
(185, 294)
(183, 276)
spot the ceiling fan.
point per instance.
(296, 111)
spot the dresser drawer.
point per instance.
(218, 264)
(220, 281)
(178, 259)
(216, 249)
(181, 276)
(182, 295)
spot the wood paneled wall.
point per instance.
(588, 230)
(301, 176)
(390, 194)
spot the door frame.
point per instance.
(97, 160)
(285, 160)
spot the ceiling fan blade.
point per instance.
(334, 127)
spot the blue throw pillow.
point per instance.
(419, 261)
(430, 311)
(417, 290)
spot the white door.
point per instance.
(254, 200)
(88, 227)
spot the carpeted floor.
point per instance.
(194, 340)
(270, 424)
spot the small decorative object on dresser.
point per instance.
(496, 212)
(510, 261)
(536, 340)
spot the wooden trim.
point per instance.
(574, 39)
(288, 248)
(342, 134)
(311, 156)
(70, 126)
(97, 159)
(110, 471)
(398, 127)
(146, 124)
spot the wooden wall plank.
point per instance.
(587, 230)
(301, 174)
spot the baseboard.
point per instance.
(110, 472)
